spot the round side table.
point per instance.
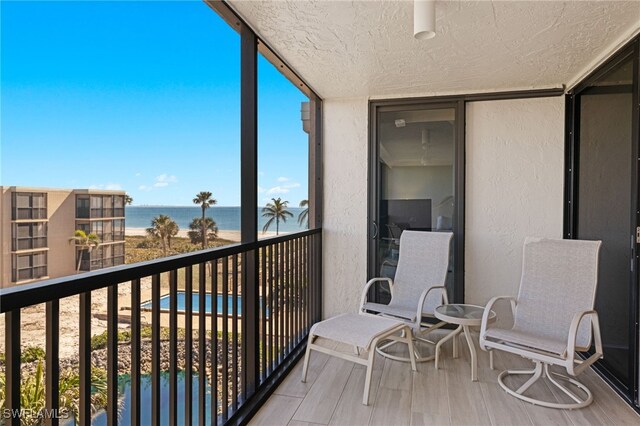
(464, 316)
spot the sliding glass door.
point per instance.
(413, 172)
(603, 204)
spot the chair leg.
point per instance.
(558, 385)
(305, 365)
(412, 352)
(541, 370)
(367, 380)
(491, 360)
(537, 373)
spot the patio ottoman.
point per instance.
(362, 331)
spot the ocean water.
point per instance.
(227, 218)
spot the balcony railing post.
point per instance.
(188, 347)
(214, 343)
(202, 350)
(173, 347)
(155, 349)
(112, 355)
(135, 352)
(249, 209)
(85, 359)
(318, 277)
(12, 365)
(52, 366)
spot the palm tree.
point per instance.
(163, 228)
(276, 211)
(195, 234)
(303, 216)
(128, 199)
(205, 201)
(85, 242)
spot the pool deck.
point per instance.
(124, 314)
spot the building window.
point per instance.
(118, 254)
(118, 230)
(107, 206)
(27, 236)
(29, 266)
(29, 205)
(82, 206)
(84, 226)
(96, 206)
(96, 228)
(118, 206)
(107, 228)
(104, 256)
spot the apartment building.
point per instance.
(38, 222)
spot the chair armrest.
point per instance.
(487, 311)
(423, 298)
(573, 335)
(363, 298)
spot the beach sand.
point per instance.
(225, 235)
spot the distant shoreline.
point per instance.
(231, 235)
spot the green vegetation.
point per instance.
(276, 212)
(303, 216)
(196, 227)
(140, 249)
(85, 242)
(128, 199)
(163, 228)
(99, 341)
(204, 199)
(32, 353)
(32, 393)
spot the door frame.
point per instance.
(458, 104)
(571, 201)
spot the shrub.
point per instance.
(99, 341)
(32, 393)
(32, 353)
(147, 243)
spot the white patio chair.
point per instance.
(553, 317)
(418, 287)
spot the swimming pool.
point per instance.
(195, 299)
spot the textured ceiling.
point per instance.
(366, 48)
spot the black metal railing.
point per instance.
(263, 297)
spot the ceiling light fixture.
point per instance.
(424, 19)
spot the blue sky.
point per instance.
(139, 96)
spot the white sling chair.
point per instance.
(553, 317)
(418, 287)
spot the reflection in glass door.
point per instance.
(413, 166)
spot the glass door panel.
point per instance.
(605, 207)
(415, 169)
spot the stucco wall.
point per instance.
(345, 204)
(514, 188)
(515, 163)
